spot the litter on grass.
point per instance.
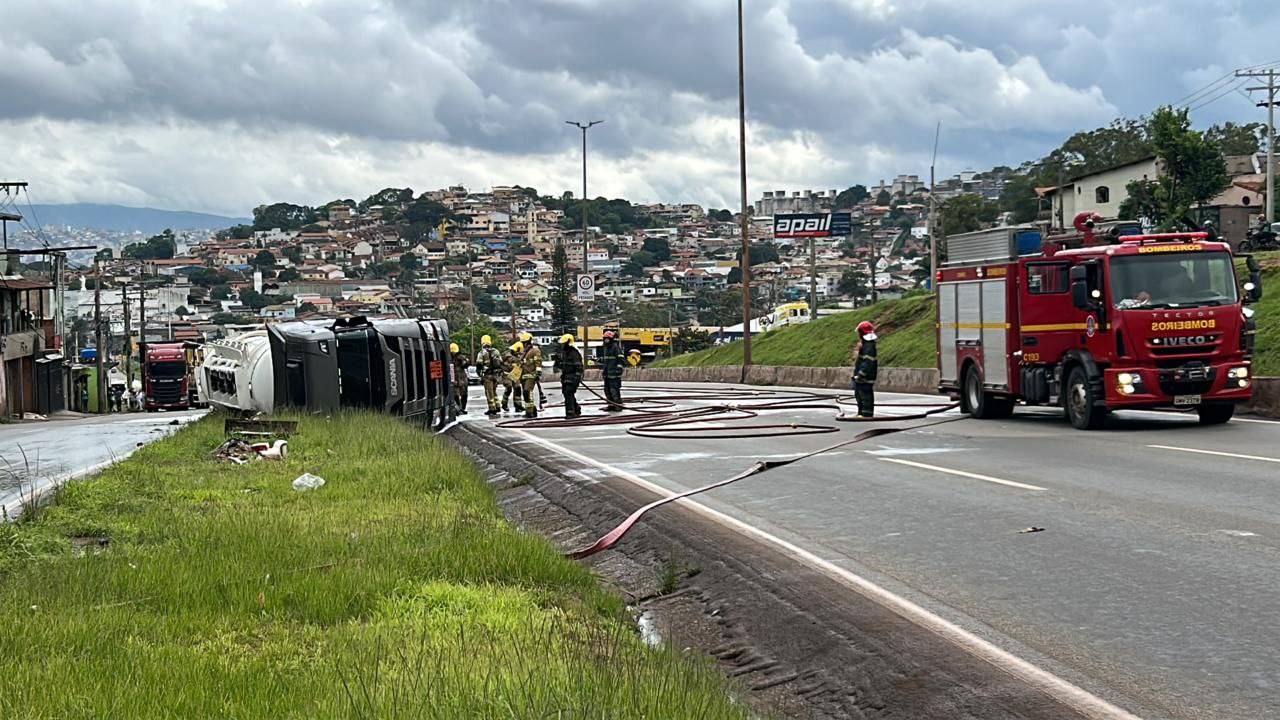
(307, 481)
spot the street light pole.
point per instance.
(586, 320)
(746, 241)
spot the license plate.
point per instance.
(1185, 400)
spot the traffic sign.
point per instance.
(586, 287)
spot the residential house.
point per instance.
(278, 312)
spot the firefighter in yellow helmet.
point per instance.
(510, 361)
(526, 339)
(570, 366)
(489, 367)
(460, 366)
(530, 374)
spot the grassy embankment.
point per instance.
(907, 336)
(397, 590)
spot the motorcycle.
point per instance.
(1260, 240)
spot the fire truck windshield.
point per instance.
(167, 370)
(1172, 280)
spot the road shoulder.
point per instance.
(804, 644)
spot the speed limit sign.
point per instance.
(586, 287)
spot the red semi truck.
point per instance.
(166, 377)
(1094, 321)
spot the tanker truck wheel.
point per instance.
(1079, 401)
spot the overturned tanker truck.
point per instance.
(399, 367)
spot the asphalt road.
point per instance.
(1151, 584)
(34, 456)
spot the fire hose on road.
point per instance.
(713, 422)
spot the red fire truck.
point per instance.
(166, 377)
(1103, 319)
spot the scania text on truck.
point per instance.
(1095, 321)
(166, 377)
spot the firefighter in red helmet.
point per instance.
(864, 370)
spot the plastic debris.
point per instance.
(1032, 529)
(275, 451)
(307, 481)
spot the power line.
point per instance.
(1230, 89)
(1217, 84)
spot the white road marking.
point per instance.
(1073, 696)
(1217, 453)
(890, 452)
(962, 473)
(1239, 533)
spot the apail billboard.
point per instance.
(811, 225)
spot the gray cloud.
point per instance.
(839, 91)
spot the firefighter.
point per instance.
(864, 370)
(489, 367)
(611, 360)
(527, 339)
(530, 373)
(510, 361)
(460, 366)
(569, 365)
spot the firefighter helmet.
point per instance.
(609, 335)
(453, 348)
(525, 337)
(566, 339)
(866, 328)
(517, 347)
(486, 341)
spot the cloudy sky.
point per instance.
(220, 105)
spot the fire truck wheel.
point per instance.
(980, 404)
(1216, 414)
(1079, 401)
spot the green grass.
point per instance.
(907, 336)
(397, 590)
(906, 329)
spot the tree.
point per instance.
(1019, 197)
(156, 247)
(761, 253)
(883, 198)
(466, 326)
(253, 299)
(660, 248)
(182, 311)
(852, 196)
(264, 260)
(966, 213)
(735, 273)
(642, 314)
(293, 253)
(226, 318)
(687, 340)
(1233, 139)
(725, 216)
(288, 275)
(409, 261)
(220, 292)
(285, 216)
(635, 265)
(1193, 171)
(853, 282)
(307, 307)
(103, 255)
(564, 317)
(719, 307)
(387, 197)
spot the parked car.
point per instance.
(473, 377)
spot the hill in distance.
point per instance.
(119, 218)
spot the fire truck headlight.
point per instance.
(1241, 373)
(1125, 378)
(1126, 389)
(1248, 312)
(1243, 382)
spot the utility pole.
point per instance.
(746, 237)
(128, 337)
(933, 209)
(1270, 88)
(142, 337)
(586, 313)
(6, 218)
(101, 364)
(813, 278)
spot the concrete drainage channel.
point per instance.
(798, 643)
